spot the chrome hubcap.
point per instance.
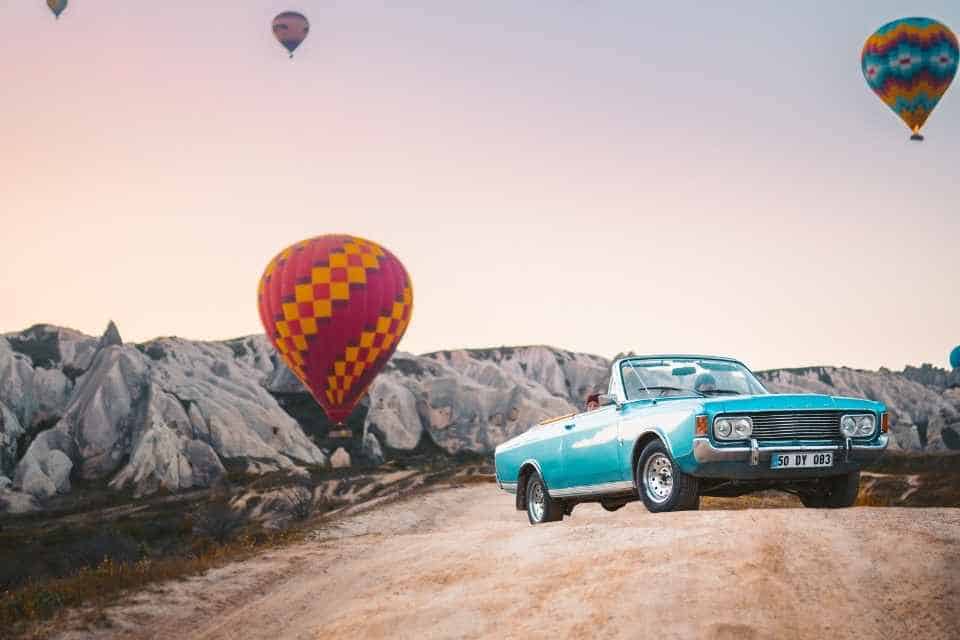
(536, 502)
(658, 477)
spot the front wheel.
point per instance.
(661, 484)
(540, 506)
(840, 492)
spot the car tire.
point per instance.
(841, 492)
(612, 506)
(540, 506)
(661, 484)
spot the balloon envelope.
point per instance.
(291, 29)
(335, 308)
(955, 357)
(57, 6)
(910, 63)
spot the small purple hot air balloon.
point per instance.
(57, 7)
(291, 29)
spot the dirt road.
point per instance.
(461, 563)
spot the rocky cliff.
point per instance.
(174, 414)
(168, 413)
(474, 399)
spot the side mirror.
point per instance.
(606, 399)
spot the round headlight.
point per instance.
(742, 427)
(848, 426)
(724, 428)
(865, 425)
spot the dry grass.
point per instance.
(23, 608)
(873, 501)
(934, 489)
(761, 500)
(195, 536)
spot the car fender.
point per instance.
(521, 488)
(672, 422)
(536, 465)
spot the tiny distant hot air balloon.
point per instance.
(291, 29)
(57, 6)
(335, 308)
(910, 63)
(955, 357)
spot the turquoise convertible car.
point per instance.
(673, 428)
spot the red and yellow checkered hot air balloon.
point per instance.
(335, 308)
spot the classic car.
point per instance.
(673, 428)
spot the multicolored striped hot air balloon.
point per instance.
(57, 6)
(910, 63)
(291, 29)
(335, 308)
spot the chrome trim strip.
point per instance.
(880, 446)
(536, 465)
(754, 452)
(593, 489)
(807, 424)
(509, 487)
(704, 451)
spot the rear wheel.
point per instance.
(540, 506)
(661, 484)
(839, 492)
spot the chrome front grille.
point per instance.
(797, 425)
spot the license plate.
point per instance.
(801, 460)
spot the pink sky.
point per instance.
(595, 177)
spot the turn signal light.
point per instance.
(701, 425)
(885, 423)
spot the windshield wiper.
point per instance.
(662, 388)
(729, 392)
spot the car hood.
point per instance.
(788, 402)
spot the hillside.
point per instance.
(173, 414)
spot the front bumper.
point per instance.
(754, 461)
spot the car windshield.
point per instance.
(654, 378)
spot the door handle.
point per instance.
(568, 426)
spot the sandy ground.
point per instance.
(462, 563)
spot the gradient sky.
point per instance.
(601, 176)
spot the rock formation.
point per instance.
(169, 413)
(174, 414)
(471, 400)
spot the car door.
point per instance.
(591, 448)
(548, 453)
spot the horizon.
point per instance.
(491, 348)
(546, 176)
